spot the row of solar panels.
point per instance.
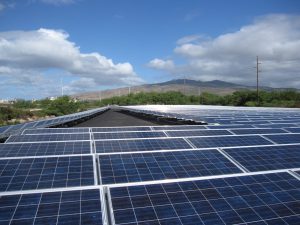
(223, 115)
(142, 175)
(5, 131)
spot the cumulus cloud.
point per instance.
(37, 51)
(231, 56)
(161, 64)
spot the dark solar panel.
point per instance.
(56, 130)
(40, 149)
(137, 167)
(181, 127)
(39, 173)
(66, 207)
(119, 129)
(257, 199)
(197, 133)
(228, 126)
(267, 158)
(127, 135)
(284, 138)
(141, 145)
(258, 131)
(281, 125)
(227, 141)
(293, 130)
(48, 137)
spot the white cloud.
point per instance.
(231, 57)
(38, 51)
(161, 64)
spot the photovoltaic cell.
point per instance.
(39, 173)
(67, 207)
(119, 129)
(281, 125)
(41, 149)
(188, 133)
(137, 167)
(140, 145)
(284, 138)
(181, 127)
(127, 135)
(233, 126)
(48, 137)
(267, 158)
(56, 130)
(227, 141)
(293, 130)
(257, 131)
(256, 199)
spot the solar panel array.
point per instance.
(245, 170)
(5, 131)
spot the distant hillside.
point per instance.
(189, 87)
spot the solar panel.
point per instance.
(267, 158)
(284, 138)
(56, 130)
(256, 199)
(197, 133)
(228, 126)
(119, 129)
(48, 137)
(61, 207)
(228, 141)
(127, 135)
(39, 173)
(141, 145)
(293, 130)
(124, 168)
(258, 131)
(180, 127)
(281, 125)
(41, 149)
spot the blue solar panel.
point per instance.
(284, 138)
(228, 141)
(39, 173)
(140, 145)
(233, 126)
(66, 207)
(127, 135)
(258, 131)
(293, 130)
(56, 130)
(197, 133)
(119, 129)
(124, 168)
(281, 125)
(180, 127)
(267, 158)
(40, 149)
(257, 199)
(48, 137)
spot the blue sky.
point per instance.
(95, 44)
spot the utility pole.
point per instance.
(257, 71)
(184, 85)
(100, 98)
(62, 87)
(129, 90)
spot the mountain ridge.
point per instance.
(186, 86)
